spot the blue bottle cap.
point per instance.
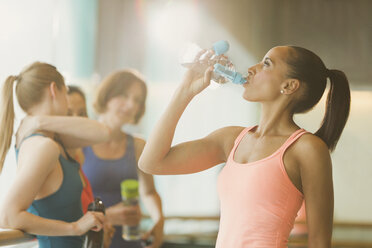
(221, 47)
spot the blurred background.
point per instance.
(88, 39)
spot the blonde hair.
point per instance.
(117, 84)
(31, 83)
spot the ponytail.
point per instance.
(31, 83)
(6, 118)
(307, 67)
(337, 109)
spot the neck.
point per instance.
(42, 108)
(276, 119)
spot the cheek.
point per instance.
(262, 91)
(111, 106)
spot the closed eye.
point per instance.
(267, 62)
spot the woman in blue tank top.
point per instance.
(120, 100)
(45, 196)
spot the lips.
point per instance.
(248, 81)
(125, 114)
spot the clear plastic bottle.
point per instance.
(129, 194)
(229, 74)
(219, 48)
(224, 69)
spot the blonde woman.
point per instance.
(45, 196)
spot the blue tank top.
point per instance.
(105, 176)
(64, 204)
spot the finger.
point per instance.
(204, 59)
(198, 55)
(146, 235)
(131, 215)
(208, 74)
(98, 227)
(131, 208)
(209, 54)
(98, 220)
(99, 217)
(133, 221)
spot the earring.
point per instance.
(282, 91)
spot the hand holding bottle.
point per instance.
(120, 214)
(130, 196)
(193, 82)
(90, 221)
(223, 69)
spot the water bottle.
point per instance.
(231, 75)
(129, 194)
(95, 239)
(223, 72)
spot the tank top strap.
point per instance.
(27, 137)
(130, 144)
(293, 138)
(238, 139)
(241, 135)
(65, 150)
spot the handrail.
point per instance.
(11, 237)
(342, 224)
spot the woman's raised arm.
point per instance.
(158, 157)
(73, 132)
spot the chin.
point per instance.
(249, 98)
(120, 123)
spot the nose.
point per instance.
(252, 70)
(129, 103)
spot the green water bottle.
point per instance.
(129, 195)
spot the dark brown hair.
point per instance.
(75, 89)
(310, 70)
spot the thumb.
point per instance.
(208, 74)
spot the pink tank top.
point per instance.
(259, 202)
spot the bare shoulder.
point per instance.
(312, 151)
(225, 137)
(139, 144)
(226, 133)
(310, 143)
(39, 147)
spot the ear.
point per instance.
(53, 89)
(290, 86)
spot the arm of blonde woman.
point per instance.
(73, 132)
(38, 158)
(159, 157)
(317, 185)
(151, 200)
